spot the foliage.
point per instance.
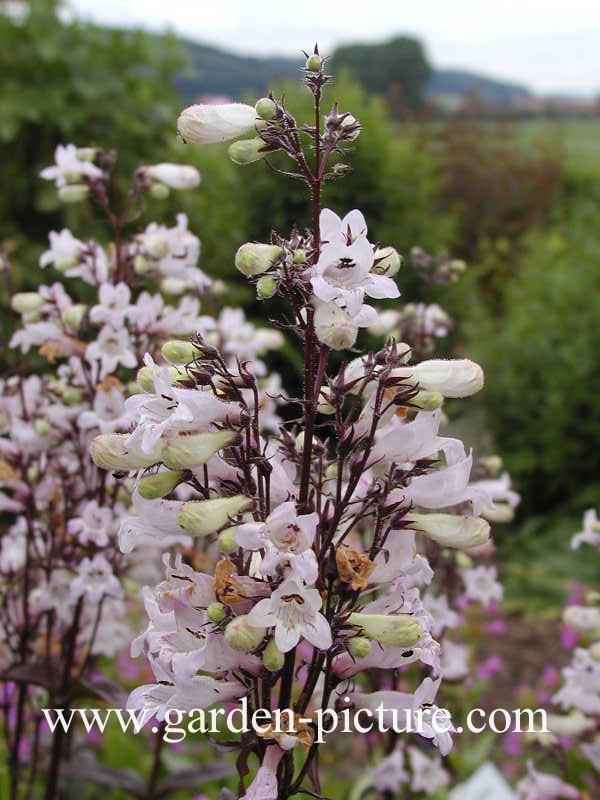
(543, 350)
(73, 81)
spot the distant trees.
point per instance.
(398, 69)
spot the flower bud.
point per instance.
(187, 451)
(493, 464)
(314, 62)
(299, 256)
(594, 651)
(396, 630)
(334, 327)
(159, 191)
(241, 636)
(26, 302)
(174, 176)
(140, 264)
(179, 352)
(583, 618)
(247, 151)
(273, 658)
(201, 517)
(73, 192)
(453, 377)
(74, 316)
(174, 286)
(266, 287)
(216, 612)
(323, 404)
(428, 401)
(156, 245)
(152, 486)
(72, 395)
(254, 258)
(86, 153)
(359, 646)
(42, 427)
(226, 540)
(145, 378)
(266, 108)
(387, 261)
(463, 560)
(215, 122)
(501, 514)
(109, 451)
(450, 530)
(219, 288)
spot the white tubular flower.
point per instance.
(449, 530)
(206, 124)
(69, 167)
(334, 327)
(583, 618)
(176, 176)
(452, 377)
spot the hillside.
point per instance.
(218, 72)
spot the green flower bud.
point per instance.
(241, 636)
(152, 486)
(72, 395)
(192, 450)
(226, 540)
(450, 530)
(42, 427)
(140, 264)
(396, 630)
(201, 517)
(73, 193)
(493, 464)
(145, 378)
(219, 288)
(65, 263)
(109, 451)
(273, 659)
(463, 560)
(74, 316)
(180, 352)
(359, 647)
(86, 153)
(388, 261)
(266, 108)
(266, 287)
(26, 302)
(254, 258)
(428, 401)
(174, 286)
(247, 151)
(159, 191)
(299, 256)
(314, 62)
(216, 612)
(501, 514)
(594, 651)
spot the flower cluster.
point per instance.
(303, 543)
(61, 571)
(577, 729)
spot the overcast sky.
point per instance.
(550, 45)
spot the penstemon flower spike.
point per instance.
(322, 523)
